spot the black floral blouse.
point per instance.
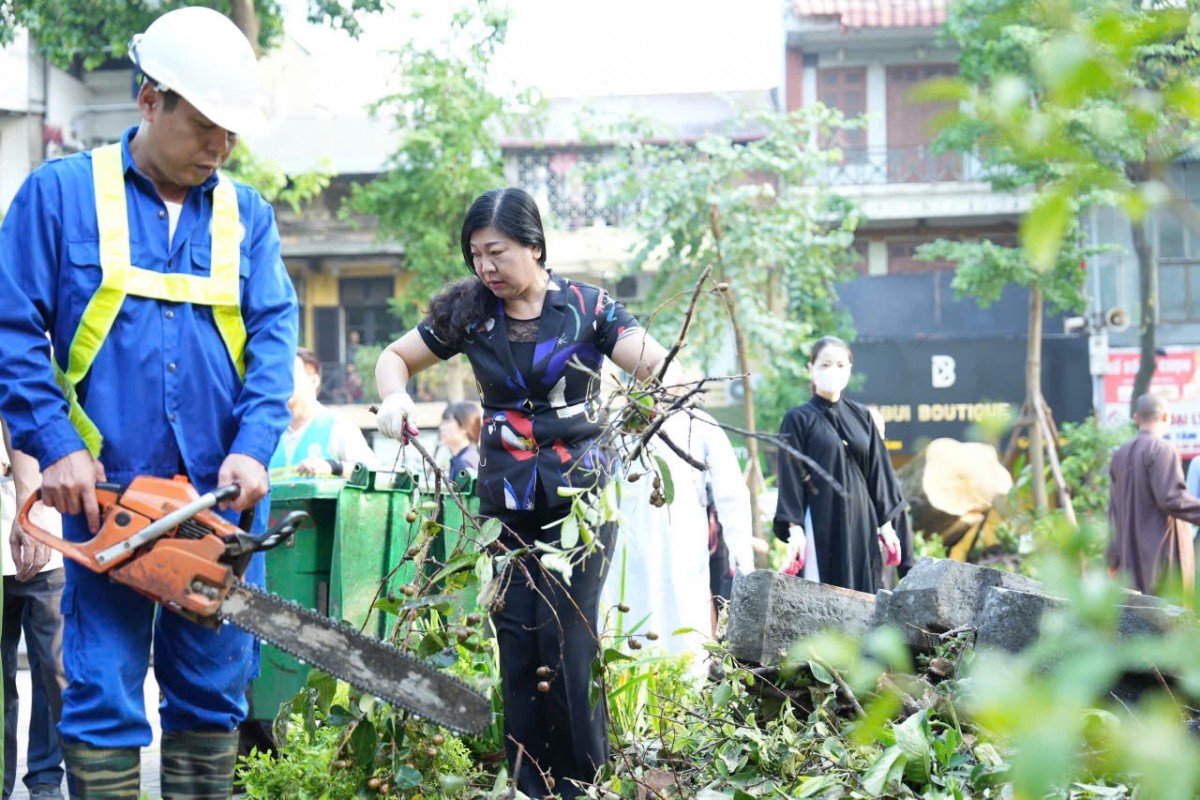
(539, 428)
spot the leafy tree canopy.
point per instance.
(83, 35)
(449, 119)
(760, 216)
(1083, 99)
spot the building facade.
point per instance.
(936, 363)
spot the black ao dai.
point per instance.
(843, 439)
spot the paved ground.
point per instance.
(150, 766)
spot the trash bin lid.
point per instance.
(307, 488)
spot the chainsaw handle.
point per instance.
(106, 495)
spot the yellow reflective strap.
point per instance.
(108, 179)
(82, 423)
(226, 273)
(176, 288)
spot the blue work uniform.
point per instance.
(166, 396)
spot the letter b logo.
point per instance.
(942, 369)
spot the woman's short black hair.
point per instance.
(829, 341)
(512, 212)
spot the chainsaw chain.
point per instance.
(406, 662)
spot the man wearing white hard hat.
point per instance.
(173, 325)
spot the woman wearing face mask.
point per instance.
(836, 539)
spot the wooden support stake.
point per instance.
(1064, 497)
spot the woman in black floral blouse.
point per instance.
(536, 342)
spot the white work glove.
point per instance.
(793, 562)
(393, 415)
(889, 545)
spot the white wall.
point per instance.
(67, 95)
(14, 67)
(15, 160)
(30, 90)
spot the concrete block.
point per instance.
(919, 639)
(1151, 620)
(942, 595)
(769, 611)
(1011, 619)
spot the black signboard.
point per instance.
(930, 388)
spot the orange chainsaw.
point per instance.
(162, 539)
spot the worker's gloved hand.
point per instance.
(889, 545)
(793, 562)
(393, 415)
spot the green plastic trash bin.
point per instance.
(299, 571)
(372, 538)
(338, 561)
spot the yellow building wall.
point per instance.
(322, 290)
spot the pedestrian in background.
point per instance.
(459, 433)
(318, 441)
(661, 559)
(31, 607)
(839, 538)
(1149, 505)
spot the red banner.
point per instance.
(1176, 379)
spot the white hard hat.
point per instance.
(202, 56)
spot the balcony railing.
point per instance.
(558, 179)
(917, 164)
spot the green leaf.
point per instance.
(988, 755)
(820, 673)
(326, 686)
(363, 743)
(1042, 229)
(722, 695)
(885, 771)
(569, 533)
(488, 593)
(668, 484)
(813, 785)
(445, 657)
(490, 532)
(912, 737)
(454, 566)
(949, 746)
(484, 569)
(559, 563)
(405, 777)
(338, 716)
(451, 784)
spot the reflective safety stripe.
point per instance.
(221, 290)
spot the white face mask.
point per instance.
(831, 379)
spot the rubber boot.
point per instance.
(198, 765)
(104, 773)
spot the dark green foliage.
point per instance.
(449, 119)
(86, 34)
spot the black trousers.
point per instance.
(545, 622)
(33, 606)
